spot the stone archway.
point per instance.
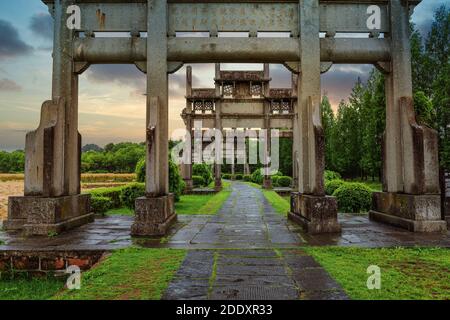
(52, 199)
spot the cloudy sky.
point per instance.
(112, 104)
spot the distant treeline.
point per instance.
(354, 134)
(12, 162)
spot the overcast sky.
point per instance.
(111, 100)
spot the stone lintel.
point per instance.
(154, 215)
(316, 214)
(416, 213)
(40, 215)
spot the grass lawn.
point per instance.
(29, 289)
(374, 185)
(279, 203)
(406, 273)
(128, 274)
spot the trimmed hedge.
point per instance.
(226, 176)
(247, 178)
(130, 193)
(353, 197)
(257, 177)
(238, 176)
(203, 170)
(332, 185)
(284, 181)
(112, 193)
(198, 181)
(275, 181)
(176, 183)
(332, 175)
(101, 205)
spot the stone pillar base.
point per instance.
(41, 216)
(267, 183)
(416, 213)
(218, 185)
(153, 216)
(189, 185)
(316, 214)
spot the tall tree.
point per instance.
(328, 125)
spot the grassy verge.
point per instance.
(29, 289)
(201, 204)
(280, 204)
(376, 186)
(406, 273)
(128, 274)
(254, 185)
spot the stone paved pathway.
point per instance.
(246, 220)
(252, 275)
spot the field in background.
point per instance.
(12, 185)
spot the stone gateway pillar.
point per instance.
(314, 211)
(411, 193)
(52, 202)
(155, 212)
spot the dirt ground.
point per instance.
(9, 188)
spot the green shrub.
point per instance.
(332, 185)
(198, 181)
(332, 175)
(140, 170)
(247, 177)
(203, 170)
(131, 192)
(275, 181)
(257, 177)
(238, 176)
(176, 183)
(100, 204)
(284, 181)
(353, 197)
(226, 176)
(112, 193)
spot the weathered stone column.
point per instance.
(187, 172)
(411, 197)
(295, 134)
(218, 137)
(310, 207)
(267, 182)
(52, 201)
(155, 212)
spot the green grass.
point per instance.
(29, 289)
(252, 184)
(279, 203)
(120, 211)
(406, 273)
(374, 185)
(201, 204)
(128, 274)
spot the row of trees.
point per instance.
(12, 162)
(114, 158)
(354, 134)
